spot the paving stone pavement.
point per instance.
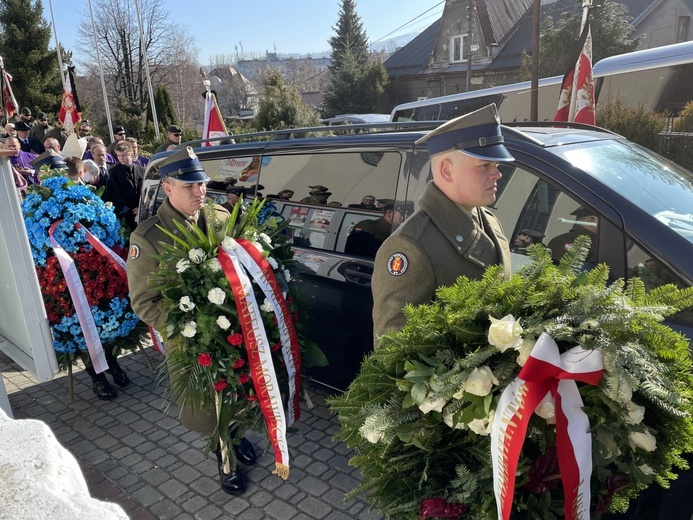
(134, 451)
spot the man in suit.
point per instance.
(452, 234)
(28, 143)
(124, 185)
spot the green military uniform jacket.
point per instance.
(435, 246)
(145, 242)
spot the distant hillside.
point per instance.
(389, 45)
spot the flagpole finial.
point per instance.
(587, 4)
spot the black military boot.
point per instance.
(233, 483)
(102, 388)
(119, 376)
(245, 452)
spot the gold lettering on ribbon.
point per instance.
(577, 508)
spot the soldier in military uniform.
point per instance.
(184, 182)
(586, 223)
(451, 234)
(368, 235)
(317, 195)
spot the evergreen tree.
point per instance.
(358, 86)
(165, 113)
(281, 106)
(24, 39)
(611, 35)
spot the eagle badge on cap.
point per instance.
(134, 252)
(397, 264)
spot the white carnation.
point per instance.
(625, 393)
(273, 262)
(428, 405)
(223, 322)
(505, 333)
(186, 304)
(636, 413)
(182, 265)
(196, 255)
(216, 296)
(266, 306)
(644, 440)
(482, 426)
(546, 409)
(229, 243)
(287, 275)
(647, 470)
(190, 329)
(265, 238)
(480, 381)
(214, 265)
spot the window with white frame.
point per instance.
(458, 44)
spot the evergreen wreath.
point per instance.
(419, 413)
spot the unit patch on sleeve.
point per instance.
(397, 264)
(134, 252)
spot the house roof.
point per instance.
(413, 57)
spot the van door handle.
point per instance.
(357, 273)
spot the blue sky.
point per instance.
(298, 26)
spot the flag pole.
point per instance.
(103, 82)
(146, 70)
(57, 44)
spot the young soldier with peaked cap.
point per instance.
(452, 234)
(184, 182)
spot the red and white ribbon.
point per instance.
(79, 299)
(547, 370)
(237, 264)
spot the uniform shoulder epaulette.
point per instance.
(415, 226)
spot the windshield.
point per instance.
(658, 186)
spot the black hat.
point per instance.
(536, 235)
(41, 116)
(319, 187)
(477, 134)
(118, 129)
(85, 122)
(21, 126)
(49, 158)
(582, 212)
(405, 208)
(25, 111)
(183, 166)
(174, 129)
(216, 185)
(238, 190)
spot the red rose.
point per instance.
(276, 346)
(235, 339)
(294, 316)
(204, 359)
(251, 398)
(243, 378)
(239, 363)
(220, 385)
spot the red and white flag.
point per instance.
(70, 111)
(576, 102)
(8, 100)
(214, 124)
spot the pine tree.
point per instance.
(358, 86)
(281, 106)
(24, 39)
(165, 113)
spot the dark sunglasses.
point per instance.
(177, 135)
(120, 133)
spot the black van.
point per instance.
(642, 200)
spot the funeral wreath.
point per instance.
(552, 394)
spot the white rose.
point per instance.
(525, 350)
(482, 426)
(645, 440)
(546, 409)
(190, 329)
(186, 304)
(480, 381)
(448, 419)
(647, 470)
(636, 413)
(428, 405)
(266, 306)
(216, 296)
(257, 245)
(371, 436)
(505, 333)
(182, 265)
(214, 265)
(229, 243)
(196, 255)
(287, 275)
(265, 238)
(625, 393)
(223, 322)
(273, 262)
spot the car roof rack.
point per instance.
(291, 133)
